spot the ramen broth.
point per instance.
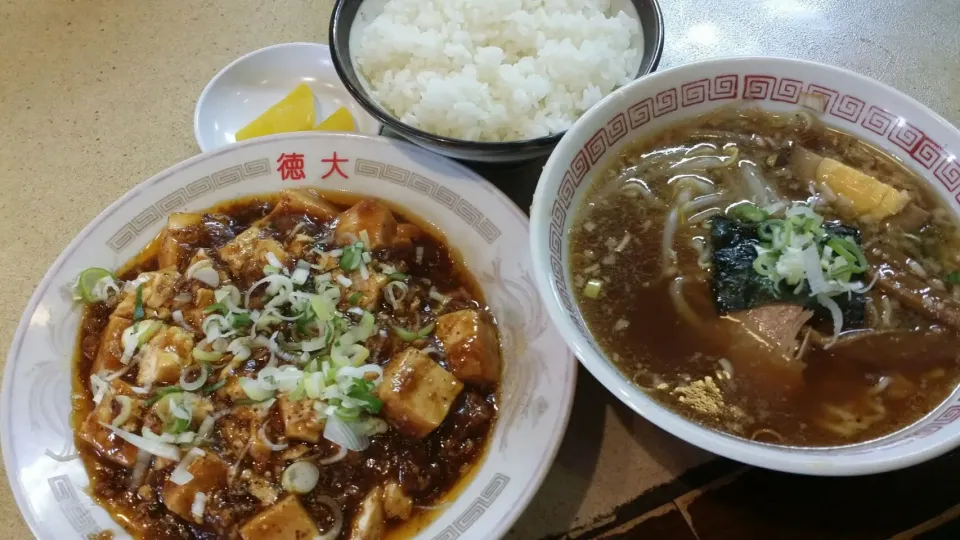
(653, 279)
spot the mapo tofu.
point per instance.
(283, 367)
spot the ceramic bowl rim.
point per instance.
(782, 458)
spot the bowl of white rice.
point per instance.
(490, 80)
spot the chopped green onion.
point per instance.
(161, 392)
(766, 265)
(425, 331)
(592, 289)
(241, 319)
(211, 388)
(138, 304)
(351, 258)
(206, 356)
(849, 251)
(397, 276)
(300, 392)
(219, 307)
(87, 281)
(355, 298)
(362, 390)
(769, 229)
(748, 211)
(406, 335)
(953, 277)
(303, 322)
(177, 426)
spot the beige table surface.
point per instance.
(97, 95)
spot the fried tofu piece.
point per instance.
(370, 216)
(209, 476)
(259, 487)
(370, 289)
(473, 352)
(202, 299)
(246, 255)
(106, 443)
(300, 421)
(304, 201)
(407, 234)
(159, 288)
(232, 389)
(286, 520)
(417, 393)
(396, 503)
(111, 345)
(369, 523)
(182, 228)
(301, 245)
(164, 355)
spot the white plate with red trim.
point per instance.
(844, 100)
(48, 479)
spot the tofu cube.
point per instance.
(202, 299)
(104, 441)
(300, 421)
(417, 393)
(306, 202)
(246, 255)
(111, 345)
(164, 355)
(159, 288)
(181, 229)
(407, 234)
(473, 352)
(396, 503)
(209, 476)
(370, 290)
(369, 523)
(286, 520)
(367, 215)
(232, 389)
(236, 429)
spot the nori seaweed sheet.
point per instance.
(736, 286)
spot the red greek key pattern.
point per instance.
(905, 135)
(878, 120)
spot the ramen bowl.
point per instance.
(866, 109)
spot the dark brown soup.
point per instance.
(772, 278)
(284, 367)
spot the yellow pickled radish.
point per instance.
(296, 112)
(340, 120)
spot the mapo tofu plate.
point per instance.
(283, 367)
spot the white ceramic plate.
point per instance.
(844, 100)
(49, 480)
(253, 83)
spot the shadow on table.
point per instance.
(611, 466)
(557, 504)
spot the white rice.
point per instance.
(496, 70)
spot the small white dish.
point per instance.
(253, 83)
